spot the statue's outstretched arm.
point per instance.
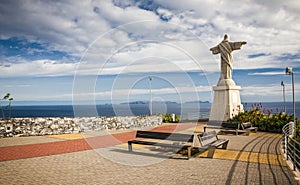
(215, 50)
(237, 45)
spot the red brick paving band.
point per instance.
(61, 147)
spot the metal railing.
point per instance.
(290, 146)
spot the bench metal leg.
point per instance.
(130, 147)
(211, 152)
(224, 145)
(189, 152)
(248, 133)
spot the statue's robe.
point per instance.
(226, 48)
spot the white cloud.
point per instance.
(267, 73)
(270, 93)
(117, 94)
(38, 68)
(58, 24)
(119, 16)
(148, 56)
(267, 27)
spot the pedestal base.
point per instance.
(226, 103)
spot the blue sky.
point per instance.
(104, 51)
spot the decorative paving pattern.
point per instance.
(252, 157)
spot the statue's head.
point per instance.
(226, 37)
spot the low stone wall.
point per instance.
(52, 126)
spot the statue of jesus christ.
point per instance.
(226, 48)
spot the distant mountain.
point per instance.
(136, 102)
(32, 103)
(147, 102)
(166, 102)
(197, 102)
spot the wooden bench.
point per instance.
(210, 141)
(227, 128)
(233, 129)
(248, 126)
(184, 141)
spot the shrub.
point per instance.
(297, 137)
(264, 120)
(168, 118)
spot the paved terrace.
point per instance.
(103, 159)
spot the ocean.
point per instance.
(188, 111)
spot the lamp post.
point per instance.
(289, 70)
(283, 94)
(150, 102)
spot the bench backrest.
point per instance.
(230, 125)
(208, 137)
(246, 125)
(164, 136)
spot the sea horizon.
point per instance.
(186, 111)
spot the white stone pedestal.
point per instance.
(226, 103)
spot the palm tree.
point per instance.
(6, 97)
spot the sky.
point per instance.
(105, 51)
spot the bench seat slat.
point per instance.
(219, 142)
(157, 144)
(164, 136)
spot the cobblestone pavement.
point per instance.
(97, 167)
